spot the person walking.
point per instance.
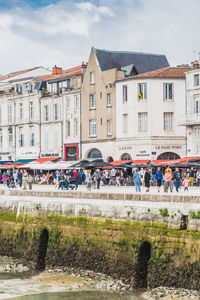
(177, 179)
(4, 179)
(147, 178)
(88, 179)
(168, 181)
(24, 179)
(137, 181)
(159, 178)
(186, 183)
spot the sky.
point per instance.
(62, 32)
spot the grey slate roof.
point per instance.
(143, 62)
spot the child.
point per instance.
(186, 183)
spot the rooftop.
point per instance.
(142, 62)
(168, 72)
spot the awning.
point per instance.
(24, 161)
(45, 159)
(140, 162)
(119, 162)
(38, 162)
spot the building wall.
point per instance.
(155, 140)
(104, 84)
(192, 118)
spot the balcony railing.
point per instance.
(190, 119)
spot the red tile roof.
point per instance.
(69, 72)
(13, 74)
(168, 72)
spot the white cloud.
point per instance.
(63, 33)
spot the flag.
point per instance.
(140, 95)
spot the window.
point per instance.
(1, 137)
(93, 128)
(10, 136)
(92, 101)
(168, 92)
(197, 105)
(142, 91)
(142, 122)
(197, 140)
(68, 128)
(168, 121)
(109, 127)
(125, 123)
(9, 113)
(21, 136)
(76, 102)
(55, 112)
(95, 153)
(68, 103)
(196, 80)
(0, 114)
(75, 127)
(92, 78)
(46, 113)
(20, 111)
(32, 136)
(124, 93)
(109, 100)
(68, 84)
(31, 110)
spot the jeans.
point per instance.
(177, 184)
(137, 187)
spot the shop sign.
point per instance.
(4, 153)
(27, 153)
(142, 154)
(168, 147)
(50, 155)
(124, 148)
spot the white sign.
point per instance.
(24, 153)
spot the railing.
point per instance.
(190, 119)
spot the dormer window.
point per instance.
(196, 80)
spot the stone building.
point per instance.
(191, 120)
(20, 115)
(98, 105)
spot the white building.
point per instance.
(148, 113)
(192, 118)
(19, 115)
(60, 113)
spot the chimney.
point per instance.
(56, 70)
(195, 64)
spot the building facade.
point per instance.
(98, 105)
(148, 113)
(20, 115)
(192, 118)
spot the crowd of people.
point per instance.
(71, 179)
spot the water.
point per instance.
(85, 295)
(53, 286)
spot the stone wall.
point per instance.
(140, 254)
(180, 212)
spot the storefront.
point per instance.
(71, 152)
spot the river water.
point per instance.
(53, 285)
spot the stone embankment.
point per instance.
(141, 240)
(177, 211)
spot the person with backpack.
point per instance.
(137, 181)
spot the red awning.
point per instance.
(140, 162)
(45, 159)
(119, 162)
(10, 165)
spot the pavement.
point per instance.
(193, 191)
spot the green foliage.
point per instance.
(164, 212)
(194, 214)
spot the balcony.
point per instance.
(190, 119)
